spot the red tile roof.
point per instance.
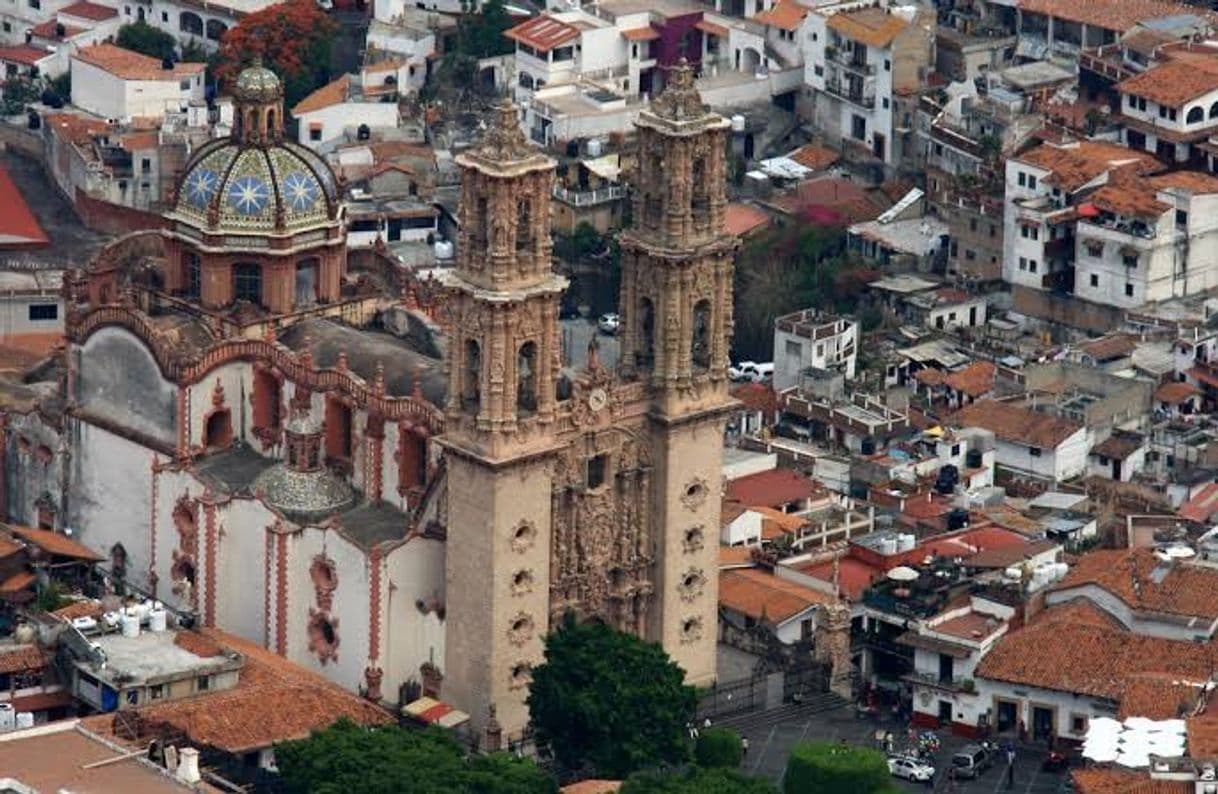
(1016, 423)
(330, 94)
(1144, 582)
(1175, 392)
(80, 609)
(1114, 780)
(130, 65)
(974, 380)
(18, 226)
(87, 10)
(760, 594)
(21, 658)
(785, 15)
(543, 33)
(23, 54)
(1202, 507)
(853, 576)
(50, 30)
(741, 219)
(756, 397)
(274, 701)
(1176, 82)
(1114, 15)
(818, 158)
(773, 488)
(874, 27)
(54, 543)
(1076, 164)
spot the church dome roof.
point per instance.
(305, 496)
(256, 188)
(258, 84)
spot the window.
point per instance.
(164, 16)
(972, 224)
(819, 70)
(1133, 101)
(887, 65)
(204, 683)
(145, 165)
(526, 378)
(1078, 723)
(40, 312)
(1128, 289)
(1181, 218)
(8, 28)
(247, 282)
(1195, 116)
(1095, 280)
(194, 277)
(1023, 179)
(858, 128)
(954, 248)
(35, 3)
(1034, 451)
(596, 471)
(184, 84)
(156, 691)
(969, 254)
(1031, 265)
(1031, 182)
(1130, 260)
(993, 230)
(315, 133)
(1023, 263)
(885, 103)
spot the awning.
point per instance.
(641, 34)
(607, 167)
(435, 712)
(711, 28)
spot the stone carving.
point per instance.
(695, 493)
(521, 629)
(680, 100)
(523, 537)
(521, 675)
(691, 630)
(694, 539)
(504, 140)
(692, 583)
(324, 574)
(522, 582)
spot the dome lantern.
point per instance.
(258, 95)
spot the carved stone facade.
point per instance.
(596, 502)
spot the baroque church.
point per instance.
(400, 486)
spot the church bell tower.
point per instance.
(676, 301)
(504, 362)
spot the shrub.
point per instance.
(718, 747)
(823, 768)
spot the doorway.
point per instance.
(877, 146)
(1042, 723)
(1008, 716)
(945, 713)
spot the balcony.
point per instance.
(849, 60)
(961, 685)
(589, 198)
(849, 94)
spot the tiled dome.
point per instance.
(246, 189)
(258, 84)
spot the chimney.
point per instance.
(188, 766)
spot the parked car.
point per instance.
(971, 761)
(609, 324)
(911, 769)
(765, 373)
(737, 371)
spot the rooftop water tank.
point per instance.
(888, 546)
(8, 718)
(131, 625)
(158, 620)
(25, 719)
(595, 147)
(738, 123)
(906, 542)
(444, 250)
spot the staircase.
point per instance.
(751, 721)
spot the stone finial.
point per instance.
(504, 140)
(378, 379)
(341, 364)
(680, 100)
(268, 333)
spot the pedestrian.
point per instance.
(706, 724)
(888, 742)
(744, 746)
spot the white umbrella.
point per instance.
(1101, 755)
(1139, 724)
(1133, 760)
(1104, 725)
(903, 573)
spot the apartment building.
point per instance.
(811, 339)
(1172, 108)
(867, 66)
(115, 83)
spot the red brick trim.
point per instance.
(268, 554)
(183, 421)
(152, 577)
(281, 597)
(374, 608)
(209, 556)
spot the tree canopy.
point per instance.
(481, 33)
(292, 38)
(610, 701)
(144, 38)
(825, 768)
(348, 757)
(718, 747)
(696, 781)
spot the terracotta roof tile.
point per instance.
(974, 380)
(274, 701)
(1016, 423)
(872, 26)
(773, 488)
(1006, 556)
(332, 93)
(54, 543)
(1144, 582)
(818, 158)
(593, 787)
(1133, 199)
(543, 33)
(1074, 165)
(1202, 506)
(23, 54)
(1175, 82)
(1120, 445)
(87, 10)
(1113, 346)
(1114, 780)
(641, 34)
(20, 658)
(756, 397)
(17, 582)
(785, 15)
(80, 609)
(761, 594)
(1115, 15)
(735, 556)
(19, 228)
(49, 30)
(78, 129)
(1175, 392)
(129, 65)
(741, 219)
(1188, 181)
(853, 576)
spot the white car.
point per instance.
(609, 324)
(910, 769)
(764, 373)
(738, 372)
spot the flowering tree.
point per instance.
(292, 38)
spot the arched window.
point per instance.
(526, 378)
(267, 401)
(270, 121)
(471, 388)
(645, 352)
(247, 282)
(193, 281)
(218, 432)
(191, 23)
(215, 29)
(526, 80)
(700, 344)
(1214, 111)
(524, 225)
(1195, 115)
(306, 281)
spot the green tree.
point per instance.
(19, 92)
(481, 33)
(696, 781)
(62, 85)
(142, 37)
(718, 747)
(609, 700)
(191, 51)
(348, 757)
(825, 768)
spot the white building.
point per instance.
(115, 83)
(408, 44)
(1171, 108)
(857, 60)
(809, 339)
(1029, 442)
(352, 107)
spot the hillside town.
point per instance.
(692, 395)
